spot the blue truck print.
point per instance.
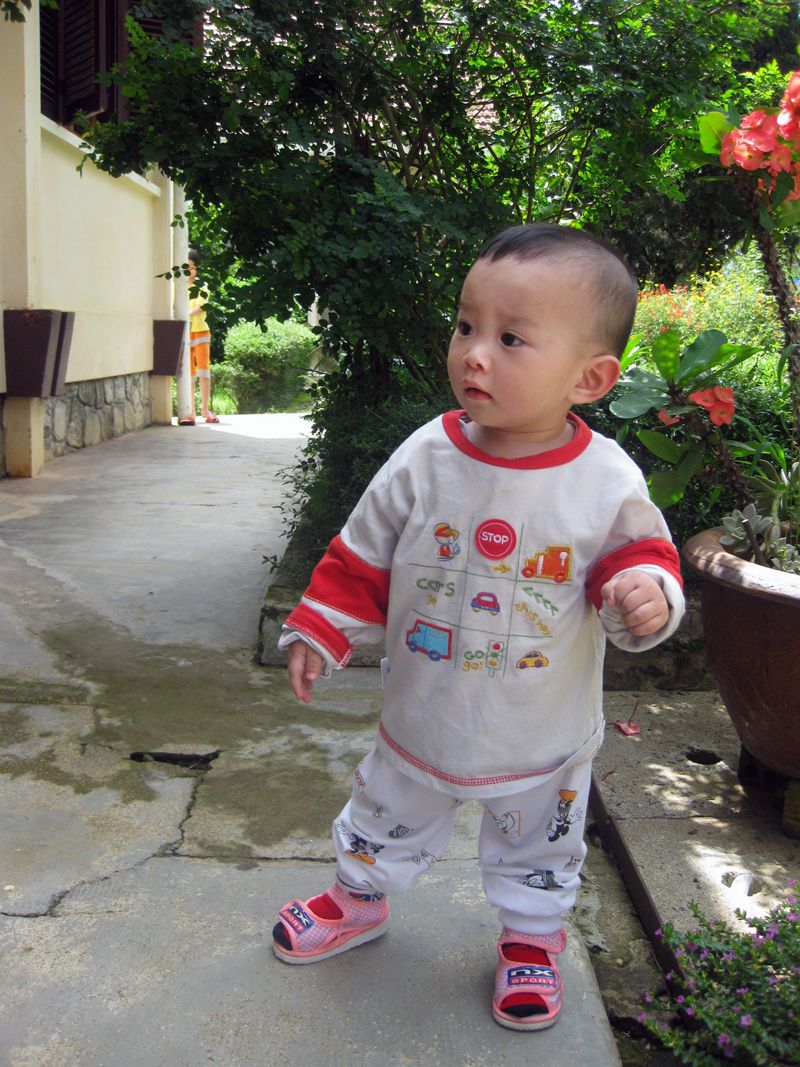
(435, 641)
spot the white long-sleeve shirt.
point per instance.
(483, 575)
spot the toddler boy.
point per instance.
(494, 646)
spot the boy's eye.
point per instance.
(510, 340)
(463, 328)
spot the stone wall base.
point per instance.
(94, 411)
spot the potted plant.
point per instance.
(734, 993)
(750, 566)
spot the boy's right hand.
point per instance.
(305, 666)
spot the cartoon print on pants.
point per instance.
(540, 880)
(564, 817)
(508, 823)
(363, 850)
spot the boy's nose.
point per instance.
(477, 355)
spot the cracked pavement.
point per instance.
(137, 895)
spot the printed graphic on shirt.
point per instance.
(492, 659)
(540, 879)
(564, 817)
(495, 538)
(436, 642)
(447, 541)
(532, 659)
(360, 780)
(485, 601)
(554, 564)
(483, 607)
(508, 823)
(535, 618)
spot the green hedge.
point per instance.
(264, 367)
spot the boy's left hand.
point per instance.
(640, 601)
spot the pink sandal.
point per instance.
(527, 993)
(303, 935)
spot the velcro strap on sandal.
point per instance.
(296, 918)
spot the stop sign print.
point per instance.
(495, 539)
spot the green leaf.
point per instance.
(661, 445)
(789, 214)
(765, 218)
(636, 403)
(700, 354)
(665, 351)
(630, 351)
(784, 183)
(668, 487)
(712, 128)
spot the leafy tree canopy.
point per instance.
(359, 151)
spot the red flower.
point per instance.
(791, 98)
(760, 130)
(780, 158)
(788, 123)
(718, 402)
(667, 419)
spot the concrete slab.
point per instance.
(131, 585)
(170, 963)
(691, 829)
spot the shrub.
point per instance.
(734, 299)
(264, 368)
(352, 437)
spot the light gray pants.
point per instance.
(531, 846)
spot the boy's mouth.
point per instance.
(474, 392)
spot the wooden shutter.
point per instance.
(78, 42)
(85, 56)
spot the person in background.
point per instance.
(199, 344)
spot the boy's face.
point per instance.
(522, 342)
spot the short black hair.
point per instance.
(193, 256)
(612, 283)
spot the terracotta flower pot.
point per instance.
(751, 625)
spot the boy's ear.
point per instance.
(599, 377)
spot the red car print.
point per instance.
(486, 602)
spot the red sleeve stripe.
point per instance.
(348, 584)
(651, 550)
(309, 622)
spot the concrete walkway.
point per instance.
(154, 784)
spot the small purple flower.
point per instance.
(648, 998)
(723, 1040)
(746, 1020)
(690, 1010)
(728, 957)
(681, 999)
(659, 932)
(704, 954)
(792, 917)
(641, 1018)
(691, 946)
(741, 992)
(671, 974)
